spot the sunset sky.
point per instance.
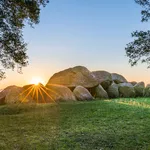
(91, 33)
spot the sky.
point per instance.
(90, 33)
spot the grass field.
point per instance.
(119, 124)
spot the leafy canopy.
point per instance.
(14, 15)
(139, 49)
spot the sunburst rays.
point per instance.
(39, 93)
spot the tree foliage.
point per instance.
(139, 49)
(14, 15)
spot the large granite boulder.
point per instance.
(16, 95)
(55, 93)
(5, 92)
(73, 77)
(126, 90)
(147, 91)
(113, 91)
(117, 78)
(100, 92)
(139, 89)
(82, 93)
(103, 77)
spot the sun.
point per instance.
(36, 80)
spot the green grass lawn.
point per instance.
(119, 124)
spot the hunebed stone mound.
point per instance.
(76, 83)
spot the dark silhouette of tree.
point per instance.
(139, 49)
(14, 15)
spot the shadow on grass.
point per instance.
(13, 109)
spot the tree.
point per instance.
(139, 49)
(14, 15)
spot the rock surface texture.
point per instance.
(139, 89)
(82, 93)
(100, 92)
(126, 90)
(103, 77)
(73, 77)
(14, 94)
(117, 78)
(59, 93)
(113, 91)
(4, 92)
